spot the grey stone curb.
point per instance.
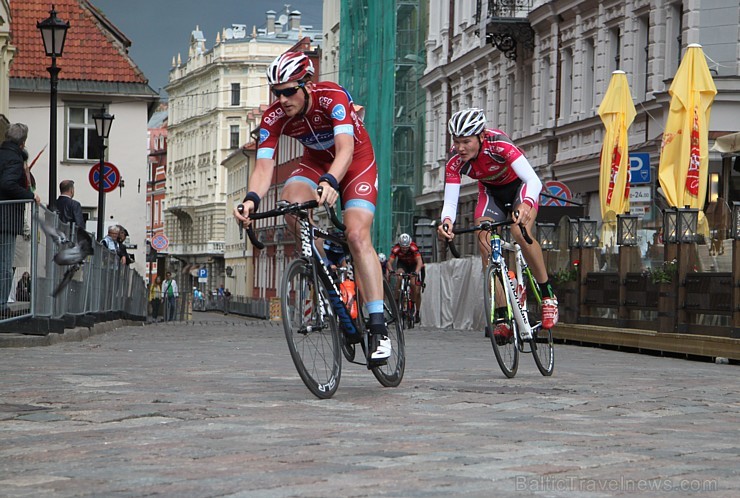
(70, 335)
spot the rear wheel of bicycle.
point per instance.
(408, 310)
(391, 374)
(311, 329)
(543, 351)
(507, 354)
(541, 343)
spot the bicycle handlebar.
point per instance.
(283, 208)
(487, 226)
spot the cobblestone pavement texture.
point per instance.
(214, 407)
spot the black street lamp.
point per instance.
(547, 233)
(53, 32)
(627, 229)
(103, 122)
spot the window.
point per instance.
(235, 93)
(82, 139)
(234, 136)
(615, 47)
(589, 73)
(641, 57)
(566, 83)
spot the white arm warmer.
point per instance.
(449, 209)
(525, 171)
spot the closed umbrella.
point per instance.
(684, 152)
(617, 111)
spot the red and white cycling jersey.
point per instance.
(493, 165)
(407, 258)
(331, 113)
(498, 163)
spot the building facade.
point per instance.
(6, 56)
(545, 91)
(210, 93)
(96, 73)
(156, 186)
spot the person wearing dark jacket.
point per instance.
(70, 211)
(14, 186)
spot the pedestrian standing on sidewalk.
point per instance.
(155, 296)
(169, 295)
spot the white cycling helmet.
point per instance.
(404, 240)
(291, 66)
(467, 123)
(382, 257)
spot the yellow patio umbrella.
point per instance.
(684, 152)
(617, 111)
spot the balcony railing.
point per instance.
(507, 25)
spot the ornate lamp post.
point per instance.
(53, 32)
(103, 122)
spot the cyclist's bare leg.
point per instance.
(532, 252)
(296, 192)
(367, 265)
(416, 292)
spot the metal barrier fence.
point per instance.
(238, 305)
(28, 274)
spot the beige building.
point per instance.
(545, 92)
(210, 94)
(330, 43)
(238, 253)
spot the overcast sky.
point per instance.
(160, 29)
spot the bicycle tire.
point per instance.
(506, 352)
(541, 343)
(314, 347)
(408, 310)
(543, 351)
(391, 374)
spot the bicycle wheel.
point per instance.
(311, 329)
(543, 351)
(391, 374)
(507, 354)
(408, 310)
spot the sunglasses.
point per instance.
(288, 92)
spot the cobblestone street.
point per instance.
(215, 407)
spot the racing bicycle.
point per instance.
(513, 288)
(406, 306)
(318, 325)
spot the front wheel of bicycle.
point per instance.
(507, 354)
(543, 351)
(311, 329)
(391, 374)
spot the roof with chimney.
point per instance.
(94, 50)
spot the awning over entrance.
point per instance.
(728, 144)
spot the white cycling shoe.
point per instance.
(383, 348)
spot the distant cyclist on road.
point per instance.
(504, 177)
(337, 156)
(408, 259)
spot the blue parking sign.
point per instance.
(203, 273)
(640, 168)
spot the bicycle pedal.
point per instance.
(376, 363)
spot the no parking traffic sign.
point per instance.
(111, 177)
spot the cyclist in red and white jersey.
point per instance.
(408, 259)
(338, 156)
(507, 186)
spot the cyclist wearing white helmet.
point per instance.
(337, 156)
(507, 186)
(408, 259)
